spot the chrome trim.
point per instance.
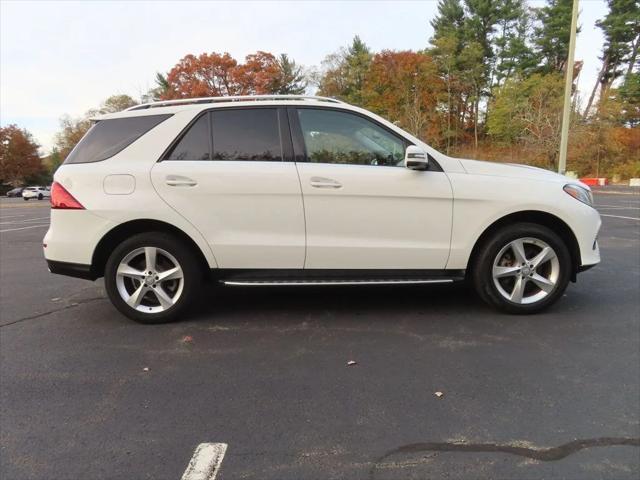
(272, 283)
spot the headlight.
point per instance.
(580, 193)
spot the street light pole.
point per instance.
(568, 83)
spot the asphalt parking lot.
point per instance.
(87, 394)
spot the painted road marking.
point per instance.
(206, 461)
(618, 216)
(619, 207)
(26, 220)
(23, 228)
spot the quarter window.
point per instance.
(341, 137)
(246, 134)
(109, 137)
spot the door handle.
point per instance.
(322, 182)
(180, 181)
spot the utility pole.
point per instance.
(568, 83)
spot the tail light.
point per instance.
(63, 200)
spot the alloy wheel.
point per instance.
(149, 279)
(526, 270)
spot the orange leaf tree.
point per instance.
(19, 157)
(214, 75)
(405, 87)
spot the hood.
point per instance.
(512, 170)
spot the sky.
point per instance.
(66, 57)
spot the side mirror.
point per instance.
(415, 158)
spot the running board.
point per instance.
(314, 282)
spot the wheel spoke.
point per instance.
(165, 300)
(518, 251)
(128, 271)
(171, 274)
(501, 272)
(136, 297)
(545, 255)
(518, 290)
(150, 258)
(545, 284)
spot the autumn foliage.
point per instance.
(215, 75)
(19, 157)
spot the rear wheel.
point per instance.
(25, 198)
(40, 196)
(522, 268)
(152, 278)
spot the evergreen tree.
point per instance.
(621, 29)
(291, 79)
(345, 72)
(552, 34)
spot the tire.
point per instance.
(25, 199)
(151, 299)
(40, 196)
(504, 281)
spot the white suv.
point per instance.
(289, 190)
(36, 192)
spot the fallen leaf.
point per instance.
(187, 339)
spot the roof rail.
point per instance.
(241, 98)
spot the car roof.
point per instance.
(205, 103)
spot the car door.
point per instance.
(363, 208)
(232, 175)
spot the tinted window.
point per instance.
(194, 144)
(247, 134)
(108, 137)
(340, 137)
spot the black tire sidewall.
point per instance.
(184, 256)
(482, 270)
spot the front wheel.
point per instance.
(522, 268)
(152, 277)
(40, 197)
(25, 198)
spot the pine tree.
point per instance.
(621, 28)
(291, 79)
(552, 34)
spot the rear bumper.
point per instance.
(77, 270)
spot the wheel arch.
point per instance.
(531, 216)
(123, 231)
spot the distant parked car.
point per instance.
(16, 192)
(36, 192)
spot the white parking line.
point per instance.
(26, 220)
(206, 461)
(618, 216)
(23, 228)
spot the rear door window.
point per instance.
(246, 134)
(109, 137)
(195, 143)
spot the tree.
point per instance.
(19, 157)
(513, 55)
(345, 72)
(290, 79)
(217, 75)
(71, 132)
(551, 35)
(528, 112)
(621, 29)
(404, 87)
(113, 104)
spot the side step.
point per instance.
(316, 282)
